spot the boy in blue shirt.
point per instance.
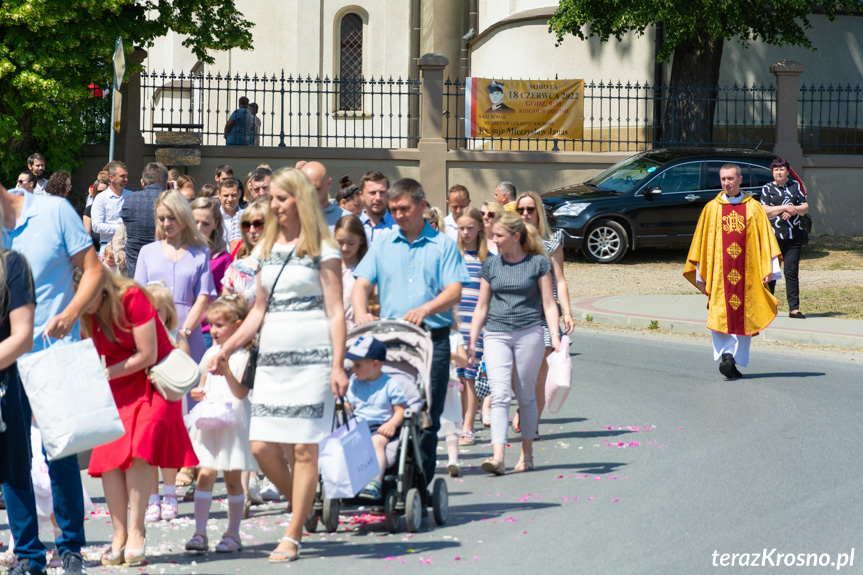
(376, 399)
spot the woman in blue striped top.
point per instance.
(514, 295)
(472, 245)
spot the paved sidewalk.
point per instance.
(688, 314)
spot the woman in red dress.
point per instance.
(127, 332)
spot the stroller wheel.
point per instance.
(391, 516)
(440, 501)
(311, 524)
(330, 517)
(413, 510)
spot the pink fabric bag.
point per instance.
(559, 379)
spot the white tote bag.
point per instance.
(559, 378)
(347, 460)
(70, 398)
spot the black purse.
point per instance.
(248, 379)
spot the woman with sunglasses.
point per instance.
(240, 277)
(529, 206)
(489, 211)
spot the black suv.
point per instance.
(652, 199)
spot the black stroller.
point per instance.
(404, 488)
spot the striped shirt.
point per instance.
(466, 308)
(516, 300)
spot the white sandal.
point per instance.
(284, 556)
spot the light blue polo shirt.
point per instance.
(48, 233)
(411, 274)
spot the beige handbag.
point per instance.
(174, 376)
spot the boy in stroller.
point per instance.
(376, 398)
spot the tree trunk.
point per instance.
(691, 97)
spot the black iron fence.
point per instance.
(630, 117)
(831, 119)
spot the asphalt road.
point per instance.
(656, 464)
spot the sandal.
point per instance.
(153, 513)
(185, 477)
(284, 556)
(524, 464)
(198, 543)
(466, 438)
(492, 465)
(170, 510)
(229, 544)
(111, 557)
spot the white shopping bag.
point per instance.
(559, 378)
(347, 460)
(70, 398)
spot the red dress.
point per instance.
(155, 431)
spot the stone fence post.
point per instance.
(787, 143)
(130, 140)
(432, 146)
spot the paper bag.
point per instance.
(347, 460)
(71, 398)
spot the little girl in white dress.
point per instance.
(219, 428)
(451, 417)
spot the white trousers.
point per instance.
(736, 345)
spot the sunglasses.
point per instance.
(488, 215)
(247, 225)
(528, 209)
(23, 182)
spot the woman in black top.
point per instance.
(17, 308)
(785, 204)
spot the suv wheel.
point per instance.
(605, 243)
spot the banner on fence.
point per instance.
(524, 108)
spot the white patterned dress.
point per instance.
(292, 401)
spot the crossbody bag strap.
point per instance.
(273, 290)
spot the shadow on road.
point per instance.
(783, 374)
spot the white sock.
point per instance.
(235, 512)
(452, 447)
(203, 499)
(154, 499)
(169, 491)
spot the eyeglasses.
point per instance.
(247, 225)
(22, 182)
(528, 209)
(488, 215)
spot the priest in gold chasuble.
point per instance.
(733, 254)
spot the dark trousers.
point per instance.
(68, 496)
(439, 380)
(791, 255)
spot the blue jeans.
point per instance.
(68, 496)
(439, 380)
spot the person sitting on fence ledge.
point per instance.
(317, 173)
(240, 127)
(504, 194)
(376, 218)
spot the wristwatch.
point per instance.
(186, 331)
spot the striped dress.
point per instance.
(465, 309)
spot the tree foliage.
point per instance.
(51, 50)
(695, 34)
(694, 23)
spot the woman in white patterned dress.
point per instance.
(300, 363)
(529, 207)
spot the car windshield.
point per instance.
(626, 175)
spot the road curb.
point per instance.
(674, 313)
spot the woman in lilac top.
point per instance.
(181, 260)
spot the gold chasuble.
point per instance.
(734, 246)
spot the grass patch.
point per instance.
(845, 302)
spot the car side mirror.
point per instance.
(653, 192)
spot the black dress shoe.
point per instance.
(728, 367)
(797, 315)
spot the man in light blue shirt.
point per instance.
(377, 220)
(419, 273)
(50, 234)
(106, 213)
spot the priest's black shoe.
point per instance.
(728, 367)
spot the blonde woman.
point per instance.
(514, 295)
(529, 206)
(302, 347)
(180, 259)
(240, 276)
(434, 216)
(489, 211)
